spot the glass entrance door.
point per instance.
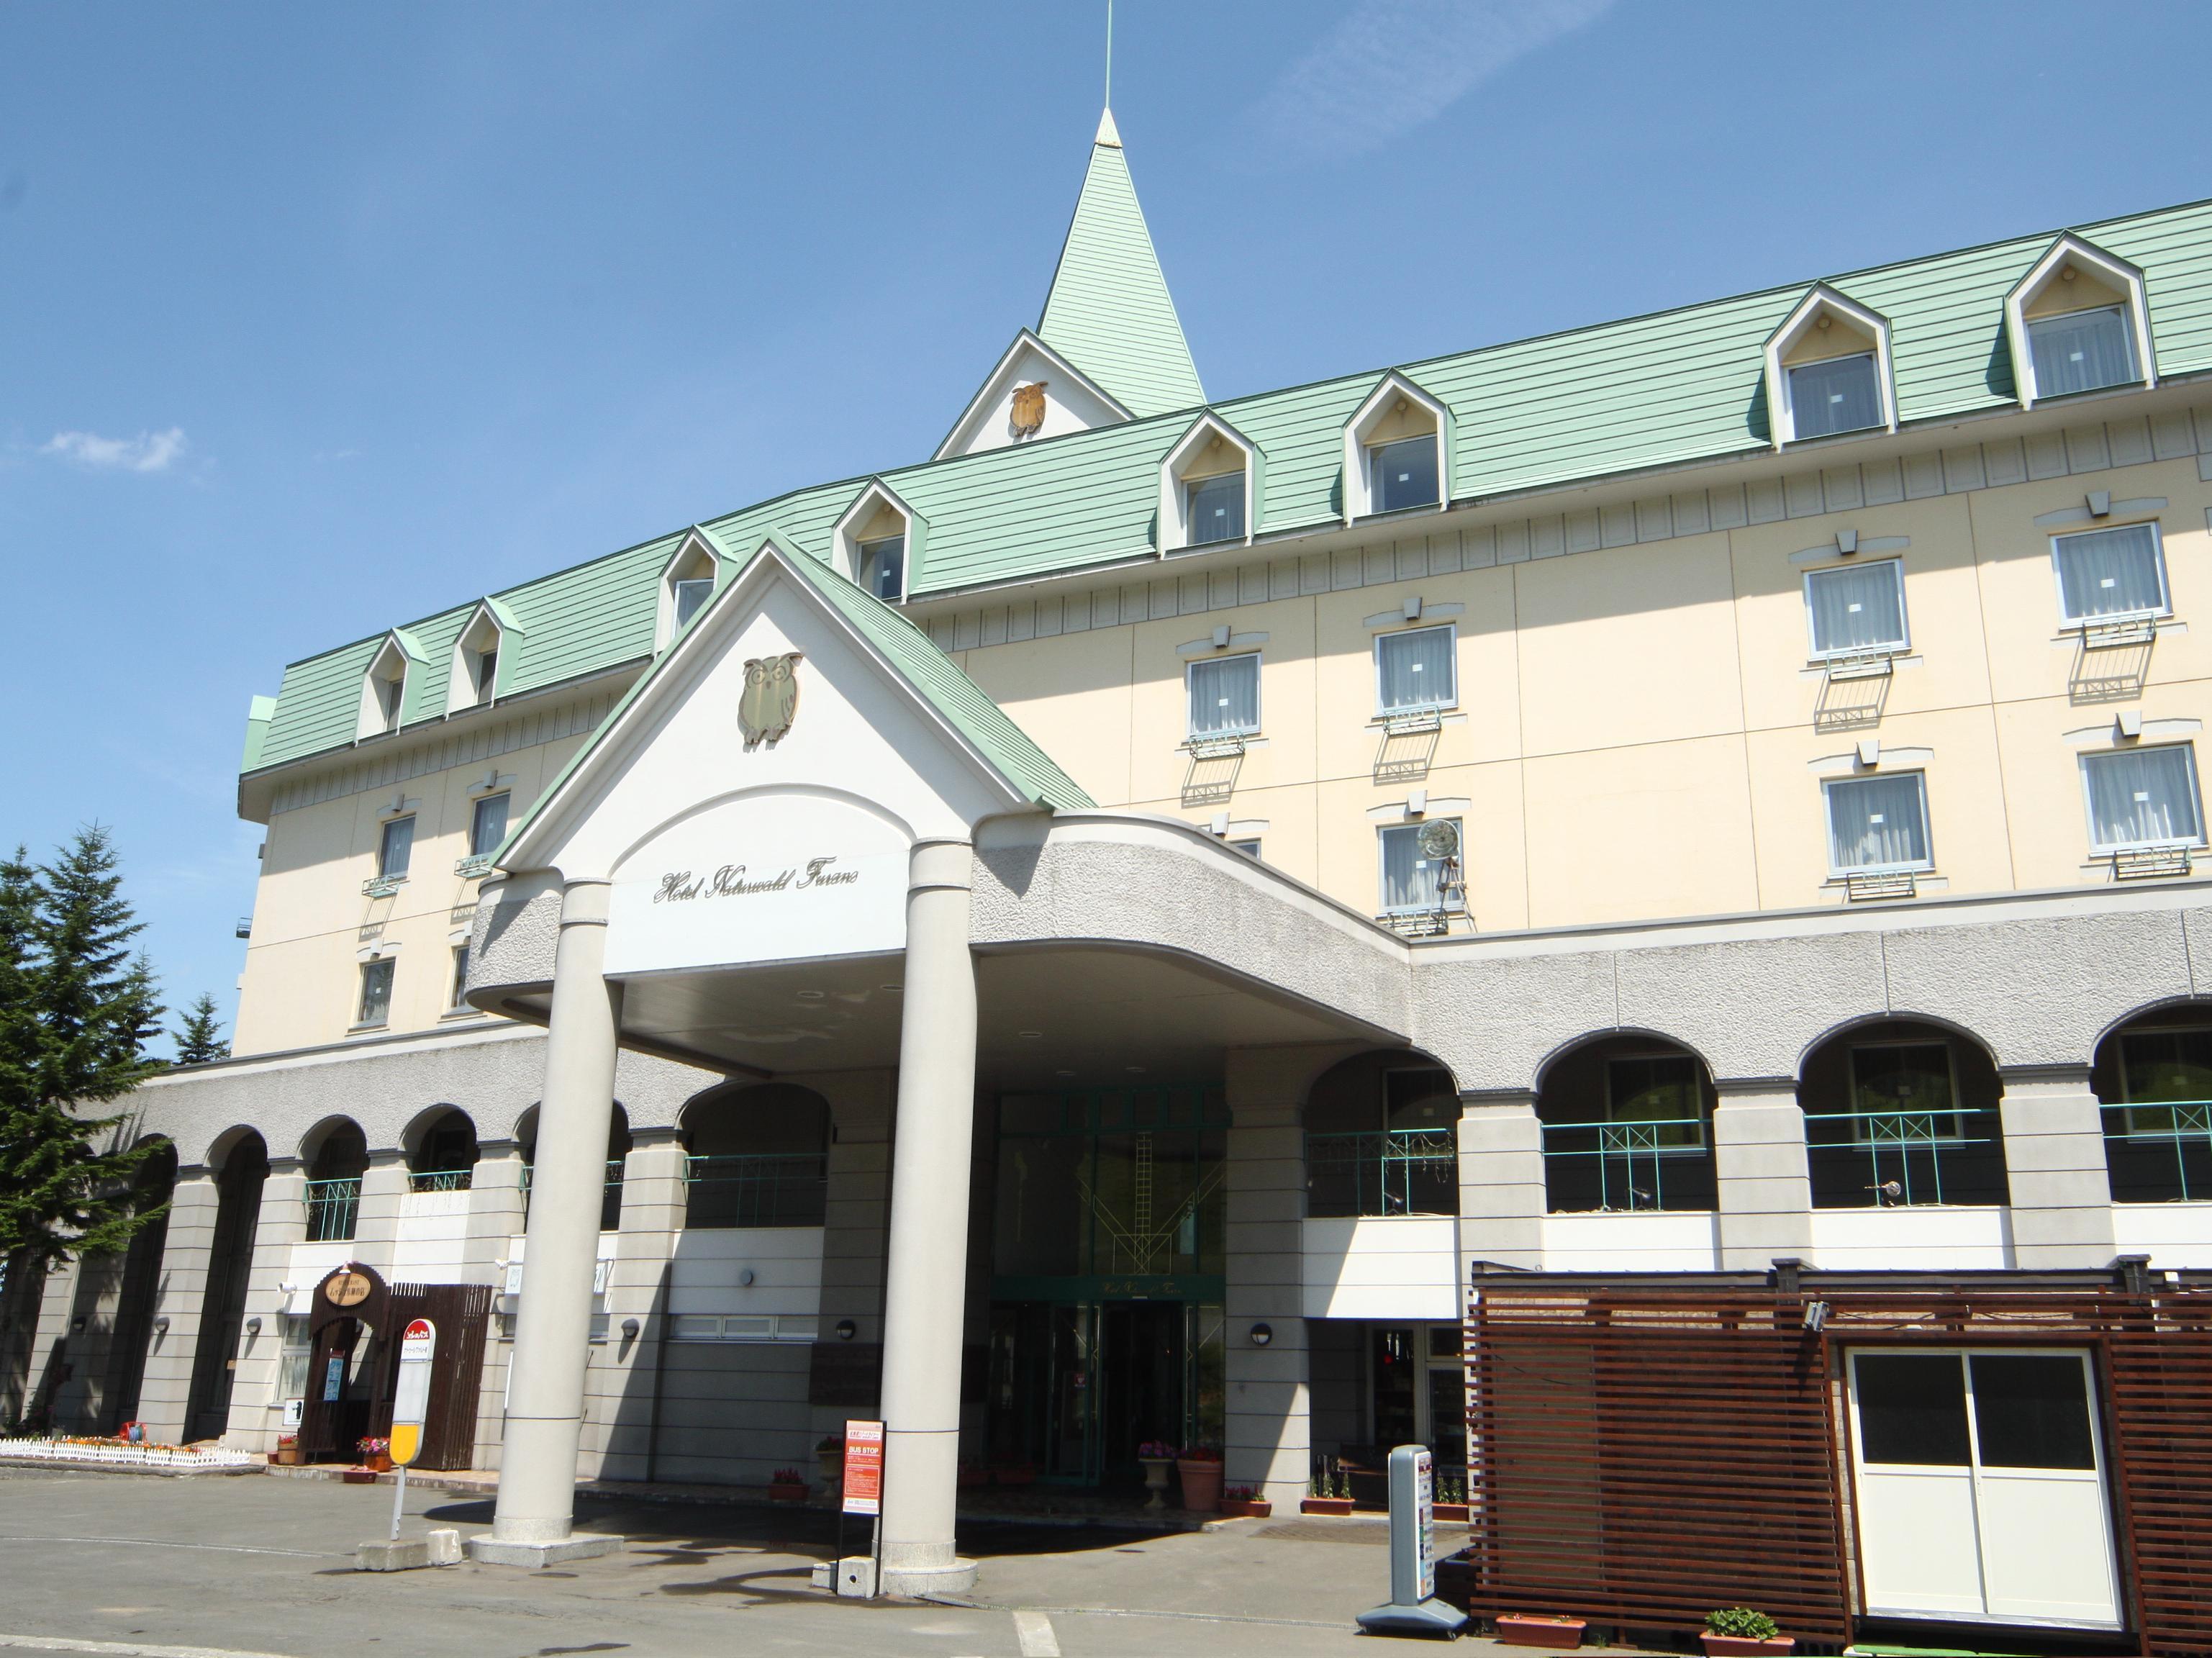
(1075, 1388)
(1980, 1485)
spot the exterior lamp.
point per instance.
(254, 1325)
(162, 1325)
(1263, 1334)
(847, 1329)
(630, 1327)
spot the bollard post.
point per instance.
(1414, 1608)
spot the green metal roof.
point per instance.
(1109, 312)
(1646, 392)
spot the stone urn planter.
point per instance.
(1553, 1634)
(1201, 1483)
(1156, 1480)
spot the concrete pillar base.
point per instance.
(488, 1551)
(919, 1583)
(437, 1548)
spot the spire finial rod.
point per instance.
(1109, 54)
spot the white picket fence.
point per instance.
(182, 1458)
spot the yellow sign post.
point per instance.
(411, 1405)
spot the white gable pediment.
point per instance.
(1073, 402)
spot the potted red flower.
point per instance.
(787, 1486)
(1739, 1632)
(287, 1454)
(1545, 1630)
(1242, 1502)
(1200, 1468)
(375, 1454)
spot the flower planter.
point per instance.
(1156, 1480)
(787, 1493)
(831, 1465)
(1454, 1513)
(1201, 1483)
(1250, 1508)
(1742, 1646)
(359, 1476)
(1325, 1505)
(1553, 1634)
(380, 1463)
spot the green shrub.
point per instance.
(1743, 1623)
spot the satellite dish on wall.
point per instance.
(1439, 840)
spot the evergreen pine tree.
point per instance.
(76, 1011)
(199, 1039)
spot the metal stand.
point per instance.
(398, 1500)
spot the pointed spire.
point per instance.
(1109, 312)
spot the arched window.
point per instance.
(2153, 1077)
(1382, 1138)
(241, 1169)
(1627, 1125)
(618, 1144)
(335, 1165)
(756, 1156)
(1902, 1113)
(444, 1154)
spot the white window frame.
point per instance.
(1412, 826)
(459, 962)
(1376, 407)
(1205, 433)
(1842, 652)
(1836, 872)
(390, 667)
(1781, 413)
(476, 805)
(2164, 607)
(1373, 455)
(696, 559)
(383, 844)
(877, 498)
(467, 686)
(1189, 678)
(360, 1019)
(2098, 849)
(864, 554)
(2070, 249)
(1385, 711)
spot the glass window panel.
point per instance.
(1910, 1077)
(2142, 798)
(1217, 509)
(1250, 849)
(1415, 669)
(1419, 1099)
(690, 593)
(488, 825)
(1403, 474)
(1397, 1371)
(1224, 695)
(2107, 572)
(2031, 1410)
(1448, 1420)
(2166, 1065)
(1661, 1088)
(1857, 607)
(1841, 395)
(1410, 879)
(375, 992)
(1878, 823)
(460, 974)
(395, 848)
(1913, 1409)
(2080, 352)
(883, 566)
(1043, 1224)
(486, 674)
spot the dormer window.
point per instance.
(1397, 448)
(1209, 486)
(1828, 370)
(475, 678)
(383, 689)
(2077, 323)
(687, 582)
(877, 543)
(883, 566)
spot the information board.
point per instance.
(864, 1467)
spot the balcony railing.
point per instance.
(610, 1195)
(767, 1189)
(440, 1179)
(333, 1207)
(1653, 1164)
(2160, 1152)
(1900, 1159)
(1399, 1171)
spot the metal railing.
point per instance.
(1910, 1155)
(333, 1207)
(440, 1179)
(610, 1195)
(1631, 1159)
(2159, 1151)
(1399, 1171)
(764, 1188)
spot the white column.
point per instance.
(1764, 1190)
(1501, 1183)
(165, 1392)
(653, 1206)
(2054, 1152)
(256, 1414)
(533, 1523)
(928, 1270)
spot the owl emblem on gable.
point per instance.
(1029, 409)
(770, 699)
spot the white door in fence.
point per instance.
(1981, 1486)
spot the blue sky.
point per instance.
(315, 319)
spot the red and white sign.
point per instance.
(411, 1402)
(864, 1467)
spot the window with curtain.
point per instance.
(2109, 573)
(883, 566)
(2082, 351)
(1840, 395)
(375, 1006)
(1224, 695)
(488, 825)
(1412, 880)
(395, 849)
(2142, 798)
(1856, 608)
(1414, 669)
(691, 593)
(1402, 474)
(1878, 823)
(1217, 508)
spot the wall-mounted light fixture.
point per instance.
(847, 1329)
(1263, 1334)
(162, 1325)
(745, 1278)
(253, 1326)
(630, 1327)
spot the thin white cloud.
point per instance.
(1393, 65)
(149, 451)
